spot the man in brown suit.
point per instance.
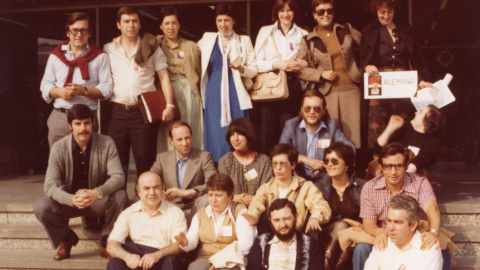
(184, 170)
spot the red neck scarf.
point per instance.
(81, 62)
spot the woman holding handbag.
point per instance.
(226, 58)
(276, 50)
(335, 69)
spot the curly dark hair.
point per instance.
(279, 4)
(244, 127)
(225, 9)
(434, 122)
(344, 152)
(377, 4)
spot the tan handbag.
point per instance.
(270, 86)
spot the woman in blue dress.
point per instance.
(226, 58)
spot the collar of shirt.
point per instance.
(291, 31)
(304, 126)
(407, 183)
(415, 242)
(75, 145)
(137, 207)
(68, 52)
(186, 158)
(275, 240)
(209, 211)
(177, 46)
(118, 42)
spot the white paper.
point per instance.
(439, 96)
(147, 110)
(393, 84)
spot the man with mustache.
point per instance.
(286, 248)
(77, 72)
(84, 178)
(184, 170)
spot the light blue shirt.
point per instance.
(56, 73)
(181, 165)
(312, 140)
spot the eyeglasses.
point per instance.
(322, 11)
(282, 164)
(75, 31)
(389, 167)
(307, 109)
(333, 160)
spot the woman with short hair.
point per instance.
(226, 58)
(247, 168)
(276, 49)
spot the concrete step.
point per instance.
(14, 213)
(43, 259)
(34, 236)
(466, 263)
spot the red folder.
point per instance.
(152, 105)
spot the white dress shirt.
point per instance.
(245, 232)
(157, 230)
(56, 73)
(287, 45)
(409, 258)
(130, 79)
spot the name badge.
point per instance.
(180, 55)
(414, 149)
(291, 46)
(250, 175)
(323, 143)
(226, 231)
(135, 66)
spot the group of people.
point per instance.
(211, 198)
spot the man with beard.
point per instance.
(286, 248)
(311, 133)
(84, 178)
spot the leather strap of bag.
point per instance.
(275, 44)
(295, 195)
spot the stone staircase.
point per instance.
(24, 244)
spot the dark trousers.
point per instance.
(55, 216)
(127, 129)
(270, 117)
(166, 263)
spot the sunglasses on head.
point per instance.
(322, 11)
(308, 109)
(333, 160)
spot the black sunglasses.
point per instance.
(322, 11)
(333, 160)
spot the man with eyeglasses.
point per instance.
(378, 192)
(311, 133)
(77, 72)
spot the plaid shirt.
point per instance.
(282, 255)
(375, 196)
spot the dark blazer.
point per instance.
(199, 168)
(308, 253)
(297, 137)
(325, 186)
(369, 49)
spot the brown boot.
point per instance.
(331, 254)
(345, 259)
(65, 247)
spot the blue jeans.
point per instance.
(362, 251)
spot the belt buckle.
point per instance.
(126, 107)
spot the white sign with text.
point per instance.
(394, 84)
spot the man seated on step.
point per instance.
(377, 193)
(84, 178)
(404, 249)
(144, 234)
(285, 247)
(184, 170)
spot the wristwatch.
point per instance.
(99, 195)
(86, 91)
(171, 106)
(435, 232)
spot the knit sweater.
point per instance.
(105, 170)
